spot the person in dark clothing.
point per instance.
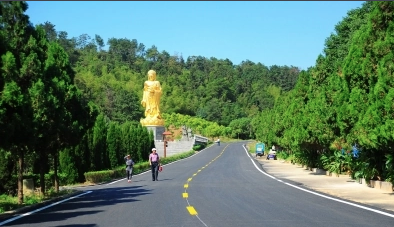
(129, 167)
(154, 162)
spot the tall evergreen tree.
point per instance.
(20, 67)
(112, 144)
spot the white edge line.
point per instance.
(318, 194)
(42, 208)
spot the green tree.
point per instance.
(99, 149)
(68, 165)
(368, 74)
(20, 67)
(112, 144)
(50, 31)
(241, 128)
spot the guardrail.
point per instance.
(200, 139)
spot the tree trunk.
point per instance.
(55, 162)
(42, 174)
(20, 177)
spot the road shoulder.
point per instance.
(343, 186)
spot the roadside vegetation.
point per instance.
(70, 108)
(339, 116)
(9, 202)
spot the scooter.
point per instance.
(271, 155)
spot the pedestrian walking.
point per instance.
(129, 167)
(154, 162)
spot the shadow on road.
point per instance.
(86, 205)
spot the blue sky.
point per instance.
(272, 33)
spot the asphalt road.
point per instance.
(219, 186)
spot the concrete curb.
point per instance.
(380, 185)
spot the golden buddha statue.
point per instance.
(151, 101)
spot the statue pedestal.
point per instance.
(157, 131)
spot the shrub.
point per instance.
(198, 147)
(107, 175)
(99, 176)
(282, 155)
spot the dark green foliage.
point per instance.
(338, 162)
(68, 166)
(367, 71)
(83, 156)
(7, 170)
(198, 147)
(127, 108)
(21, 65)
(241, 128)
(284, 77)
(138, 149)
(113, 145)
(99, 147)
(124, 141)
(346, 99)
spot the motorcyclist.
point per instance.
(272, 153)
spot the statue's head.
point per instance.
(151, 75)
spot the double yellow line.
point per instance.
(185, 195)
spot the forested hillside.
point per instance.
(212, 89)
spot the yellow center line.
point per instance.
(191, 210)
(185, 195)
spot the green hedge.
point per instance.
(120, 172)
(199, 147)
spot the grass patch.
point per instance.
(8, 202)
(251, 146)
(283, 156)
